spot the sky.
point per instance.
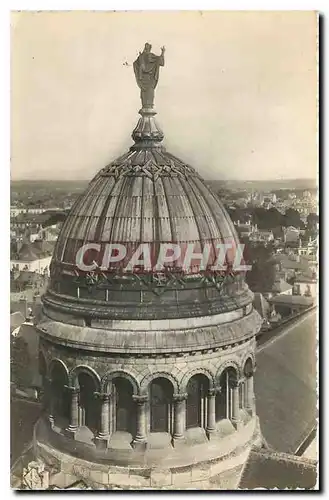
(237, 97)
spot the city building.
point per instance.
(306, 285)
(32, 256)
(291, 234)
(244, 229)
(289, 305)
(262, 235)
(281, 287)
(309, 249)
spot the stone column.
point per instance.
(140, 440)
(179, 419)
(49, 401)
(103, 435)
(250, 395)
(74, 414)
(211, 415)
(235, 404)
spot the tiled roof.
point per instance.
(269, 470)
(289, 263)
(29, 277)
(285, 384)
(281, 286)
(305, 278)
(16, 319)
(293, 300)
(261, 305)
(33, 251)
(131, 207)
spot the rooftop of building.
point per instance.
(292, 261)
(270, 470)
(281, 286)
(16, 320)
(261, 304)
(32, 251)
(292, 300)
(285, 383)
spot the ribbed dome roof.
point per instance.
(145, 196)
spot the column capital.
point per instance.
(180, 397)
(103, 396)
(235, 383)
(73, 390)
(213, 391)
(140, 399)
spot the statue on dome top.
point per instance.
(146, 68)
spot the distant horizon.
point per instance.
(212, 179)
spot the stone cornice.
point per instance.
(157, 342)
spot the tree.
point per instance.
(267, 219)
(261, 277)
(239, 214)
(274, 218)
(312, 221)
(292, 218)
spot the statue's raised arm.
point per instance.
(146, 68)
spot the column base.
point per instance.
(250, 411)
(102, 442)
(211, 434)
(70, 432)
(178, 441)
(139, 445)
(237, 424)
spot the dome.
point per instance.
(143, 363)
(146, 196)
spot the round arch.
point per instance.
(165, 375)
(74, 374)
(161, 391)
(108, 377)
(248, 367)
(229, 364)
(251, 358)
(58, 395)
(197, 389)
(59, 362)
(197, 371)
